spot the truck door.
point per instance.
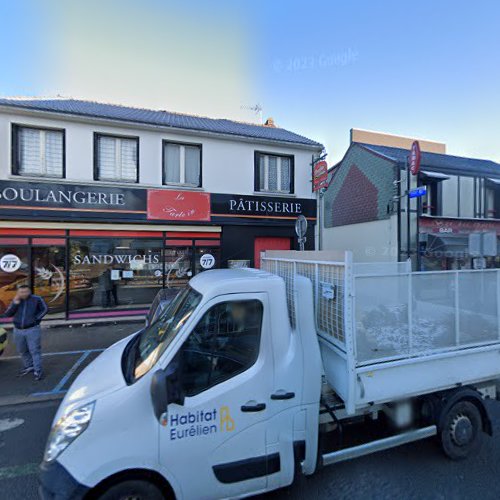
(215, 443)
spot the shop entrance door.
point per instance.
(262, 243)
(48, 267)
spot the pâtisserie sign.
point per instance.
(272, 207)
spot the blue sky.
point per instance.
(428, 69)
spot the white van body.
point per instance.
(247, 434)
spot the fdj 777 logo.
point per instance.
(200, 423)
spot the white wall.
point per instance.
(374, 241)
(227, 165)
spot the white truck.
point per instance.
(250, 377)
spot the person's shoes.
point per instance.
(38, 376)
(24, 371)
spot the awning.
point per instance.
(435, 175)
(447, 246)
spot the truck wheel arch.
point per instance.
(130, 474)
(464, 394)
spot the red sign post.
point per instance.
(415, 158)
(320, 175)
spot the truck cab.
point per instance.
(247, 374)
(216, 398)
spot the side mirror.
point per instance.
(166, 388)
(159, 393)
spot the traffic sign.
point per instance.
(417, 192)
(415, 158)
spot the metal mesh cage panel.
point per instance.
(328, 289)
(422, 313)
(381, 312)
(478, 313)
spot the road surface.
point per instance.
(415, 471)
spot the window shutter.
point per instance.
(285, 175)
(128, 159)
(273, 173)
(106, 157)
(117, 159)
(172, 163)
(262, 173)
(192, 165)
(39, 152)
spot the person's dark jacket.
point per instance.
(28, 312)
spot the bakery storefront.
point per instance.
(94, 251)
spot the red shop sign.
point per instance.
(320, 175)
(415, 158)
(164, 204)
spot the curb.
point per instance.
(19, 400)
(85, 323)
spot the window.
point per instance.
(223, 344)
(116, 158)
(182, 164)
(490, 201)
(154, 340)
(430, 201)
(38, 152)
(273, 173)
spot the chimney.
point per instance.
(270, 123)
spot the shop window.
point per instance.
(182, 164)
(38, 152)
(178, 268)
(14, 271)
(113, 273)
(223, 344)
(116, 158)
(49, 276)
(273, 173)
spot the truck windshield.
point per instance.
(151, 343)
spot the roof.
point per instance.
(219, 281)
(91, 109)
(440, 162)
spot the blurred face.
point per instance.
(23, 293)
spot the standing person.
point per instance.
(27, 311)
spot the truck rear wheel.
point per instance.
(461, 430)
(133, 490)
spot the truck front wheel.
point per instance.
(133, 489)
(461, 430)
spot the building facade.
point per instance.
(366, 207)
(103, 205)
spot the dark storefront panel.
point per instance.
(238, 242)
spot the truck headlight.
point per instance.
(67, 429)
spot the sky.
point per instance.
(427, 69)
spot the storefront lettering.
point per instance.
(79, 259)
(245, 205)
(61, 197)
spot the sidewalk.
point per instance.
(66, 351)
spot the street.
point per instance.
(417, 471)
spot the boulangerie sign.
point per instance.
(178, 205)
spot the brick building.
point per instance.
(365, 207)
